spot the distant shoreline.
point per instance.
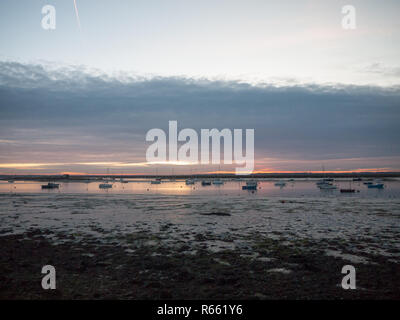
(67, 177)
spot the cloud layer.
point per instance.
(74, 115)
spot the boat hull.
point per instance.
(375, 186)
(249, 187)
(50, 185)
(105, 186)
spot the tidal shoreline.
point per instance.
(134, 246)
(92, 269)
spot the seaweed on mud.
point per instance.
(221, 214)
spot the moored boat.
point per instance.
(280, 183)
(250, 185)
(324, 181)
(50, 185)
(156, 181)
(105, 185)
(376, 186)
(327, 186)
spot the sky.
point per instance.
(81, 98)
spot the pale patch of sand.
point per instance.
(280, 270)
(346, 256)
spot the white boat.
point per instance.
(324, 181)
(189, 182)
(327, 186)
(157, 181)
(217, 182)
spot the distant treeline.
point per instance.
(207, 176)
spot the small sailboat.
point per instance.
(325, 184)
(189, 182)
(280, 183)
(324, 181)
(106, 184)
(157, 180)
(218, 181)
(250, 185)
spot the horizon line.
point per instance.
(201, 174)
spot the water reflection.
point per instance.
(295, 188)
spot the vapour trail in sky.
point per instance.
(77, 15)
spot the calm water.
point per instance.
(296, 188)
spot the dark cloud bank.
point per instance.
(297, 122)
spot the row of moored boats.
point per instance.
(323, 184)
(327, 184)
